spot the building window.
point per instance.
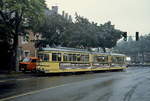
(24, 39)
(26, 53)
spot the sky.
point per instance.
(126, 15)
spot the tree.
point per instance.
(108, 36)
(52, 30)
(134, 48)
(81, 33)
(15, 17)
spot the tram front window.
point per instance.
(118, 60)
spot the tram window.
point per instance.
(70, 57)
(101, 58)
(84, 57)
(75, 57)
(56, 56)
(43, 57)
(114, 60)
(40, 56)
(120, 59)
(46, 57)
(65, 57)
(78, 57)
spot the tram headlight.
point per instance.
(128, 58)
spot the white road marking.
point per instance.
(4, 81)
(1, 81)
(38, 91)
(29, 93)
(15, 79)
(25, 79)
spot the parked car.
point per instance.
(28, 64)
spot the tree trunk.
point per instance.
(10, 62)
(104, 49)
(16, 61)
(98, 50)
(15, 53)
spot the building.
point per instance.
(27, 45)
(54, 10)
(67, 16)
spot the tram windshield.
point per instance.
(118, 60)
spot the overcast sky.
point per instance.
(126, 15)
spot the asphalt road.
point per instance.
(130, 85)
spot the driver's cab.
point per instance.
(28, 64)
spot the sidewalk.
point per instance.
(14, 75)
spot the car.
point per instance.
(28, 64)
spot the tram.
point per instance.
(59, 60)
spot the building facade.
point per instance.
(27, 45)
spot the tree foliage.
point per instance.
(132, 46)
(15, 17)
(81, 33)
(52, 29)
(137, 50)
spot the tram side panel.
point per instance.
(65, 62)
(45, 64)
(75, 62)
(55, 62)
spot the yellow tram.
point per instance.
(58, 60)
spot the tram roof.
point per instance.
(115, 54)
(65, 49)
(79, 50)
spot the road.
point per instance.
(130, 85)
